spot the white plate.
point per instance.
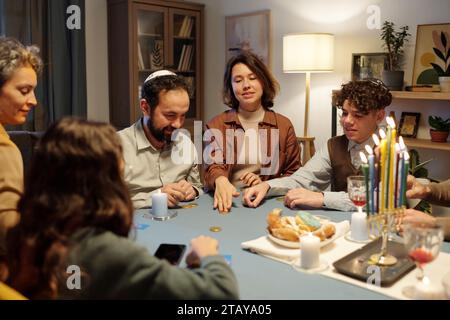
(296, 244)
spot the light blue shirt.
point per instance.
(315, 175)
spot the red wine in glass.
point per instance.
(421, 256)
(359, 201)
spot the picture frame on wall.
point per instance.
(409, 124)
(249, 32)
(428, 39)
(368, 65)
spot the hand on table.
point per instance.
(201, 247)
(188, 190)
(254, 195)
(414, 216)
(303, 197)
(250, 179)
(223, 194)
(175, 194)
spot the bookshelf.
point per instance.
(147, 35)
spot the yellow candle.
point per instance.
(383, 174)
(391, 149)
(391, 173)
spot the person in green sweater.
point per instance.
(77, 213)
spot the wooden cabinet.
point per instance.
(147, 35)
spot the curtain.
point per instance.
(61, 87)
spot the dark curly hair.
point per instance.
(75, 181)
(269, 84)
(14, 55)
(366, 95)
(152, 88)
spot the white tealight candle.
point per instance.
(159, 204)
(359, 229)
(310, 251)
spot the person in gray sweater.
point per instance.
(76, 217)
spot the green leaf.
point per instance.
(439, 53)
(443, 39)
(438, 68)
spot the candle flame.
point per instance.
(402, 144)
(382, 134)
(406, 155)
(363, 157)
(369, 149)
(375, 139)
(390, 122)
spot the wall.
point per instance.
(345, 18)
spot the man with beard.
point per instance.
(148, 146)
(322, 181)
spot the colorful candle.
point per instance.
(397, 175)
(365, 170)
(391, 149)
(406, 169)
(383, 171)
(377, 181)
(371, 159)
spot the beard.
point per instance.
(160, 134)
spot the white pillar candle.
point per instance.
(359, 229)
(310, 251)
(159, 204)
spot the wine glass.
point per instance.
(423, 242)
(356, 188)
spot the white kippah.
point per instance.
(159, 73)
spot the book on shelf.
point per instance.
(180, 62)
(186, 27)
(141, 65)
(191, 86)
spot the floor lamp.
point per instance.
(307, 53)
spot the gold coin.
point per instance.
(189, 206)
(215, 229)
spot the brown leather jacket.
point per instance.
(288, 148)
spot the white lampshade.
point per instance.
(308, 52)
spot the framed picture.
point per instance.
(409, 124)
(429, 39)
(249, 32)
(368, 65)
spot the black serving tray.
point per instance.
(356, 264)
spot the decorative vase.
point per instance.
(393, 79)
(438, 136)
(444, 83)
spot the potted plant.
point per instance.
(393, 43)
(440, 128)
(442, 50)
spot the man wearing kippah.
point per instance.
(322, 181)
(149, 144)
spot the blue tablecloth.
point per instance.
(258, 277)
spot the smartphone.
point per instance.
(171, 252)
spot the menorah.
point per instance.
(385, 180)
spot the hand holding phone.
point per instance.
(171, 252)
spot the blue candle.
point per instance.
(371, 159)
(159, 204)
